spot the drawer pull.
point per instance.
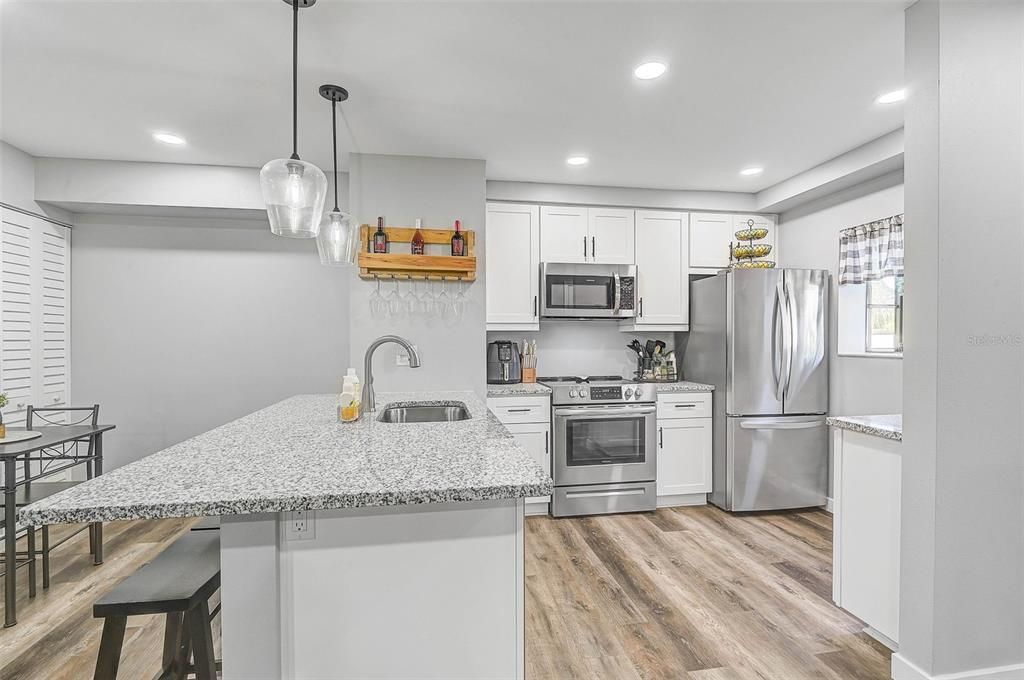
(686, 406)
(519, 410)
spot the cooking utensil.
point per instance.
(659, 347)
(649, 348)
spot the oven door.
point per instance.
(587, 291)
(604, 444)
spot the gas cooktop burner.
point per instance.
(578, 379)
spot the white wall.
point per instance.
(182, 325)
(583, 347)
(809, 238)
(439, 191)
(962, 540)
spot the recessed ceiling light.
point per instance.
(168, 138)
(892, 97)
(751, 171)
(577, 160)
(650, 70)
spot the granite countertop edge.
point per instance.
(886, 426)
(294, 455)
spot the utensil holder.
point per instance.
(529, 375)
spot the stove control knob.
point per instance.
(583, 394)
(637, 392)
(629, 392)
(572, 393)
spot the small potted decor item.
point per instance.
(3, 403)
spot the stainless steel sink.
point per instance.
(424, 413)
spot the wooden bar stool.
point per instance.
(179, 583)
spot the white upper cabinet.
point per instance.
(564, 234)
(512, 246)
(711, 234)
(662, 256)
(580, 234)
(611, 235)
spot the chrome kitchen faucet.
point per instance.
(369, 401)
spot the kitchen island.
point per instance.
(358, 550)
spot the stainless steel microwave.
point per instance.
(588, 291)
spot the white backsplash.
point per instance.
(583, 347)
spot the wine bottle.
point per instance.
(380, 238)
(417, 238)
(458, 242)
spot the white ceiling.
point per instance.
(786, 85)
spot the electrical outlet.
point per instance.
(301, 525)
(402, 357)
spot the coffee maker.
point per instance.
(503, 363)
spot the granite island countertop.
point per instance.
(295, 455)
(888, 426)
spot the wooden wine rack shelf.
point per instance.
(405, 265)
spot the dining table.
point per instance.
(53, 446)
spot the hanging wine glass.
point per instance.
(378, 306)
(394, 300)
(409, 300)
(461, 301)
(426, 298)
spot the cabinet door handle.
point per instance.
(593, 246)
(535, 306)
(641, 308)
(661, 437)
(584, 247)
(547, 438)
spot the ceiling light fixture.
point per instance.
(892, 97)
(650, 70)
(169, 138)
(294, 190)
(750, 172)
(337, 240)
(577, 160)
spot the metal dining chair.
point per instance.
(34, 491)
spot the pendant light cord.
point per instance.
(295, 79)
(334, 142)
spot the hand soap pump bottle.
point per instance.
(349, 402)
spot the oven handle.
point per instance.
(635, 491)
(602, 411)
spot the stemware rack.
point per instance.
(403, 265)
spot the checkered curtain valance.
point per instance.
(871, 251)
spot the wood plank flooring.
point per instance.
(690, 594)
(684, 593)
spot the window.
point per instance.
(870, 291)
(883, 305)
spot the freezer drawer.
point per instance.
(774, 463)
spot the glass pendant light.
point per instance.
(337, 240)
(294, 190)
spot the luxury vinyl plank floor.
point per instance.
(680, 594)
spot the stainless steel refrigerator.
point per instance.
(760, 336)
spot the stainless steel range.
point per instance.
(605, 448)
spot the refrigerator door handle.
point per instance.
(786, 360)
(777, 344)
(781, 424)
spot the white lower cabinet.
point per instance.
(866, 473)
(534, 436)
(684, 451)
